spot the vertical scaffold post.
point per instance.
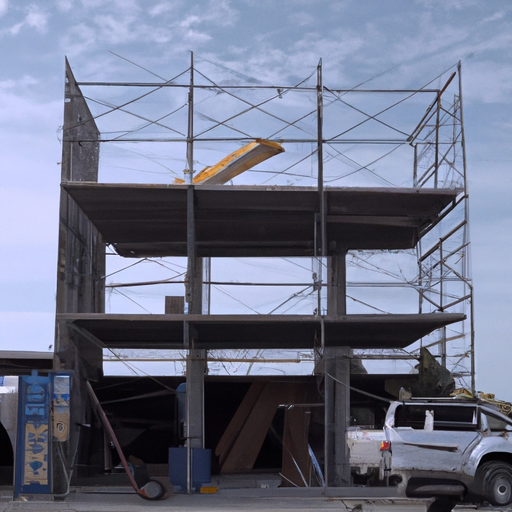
(466, 241)
(336, 359)
(195, 358)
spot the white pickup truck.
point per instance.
(455, 448)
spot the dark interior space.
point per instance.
(144, 414)
(6, 458)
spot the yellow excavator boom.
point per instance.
(237, 162)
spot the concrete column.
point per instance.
(196, 365)
(337, 414)
(337, 285)
(337, 382)
(196, 368)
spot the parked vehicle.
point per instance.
(457, 448)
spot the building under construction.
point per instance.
(278, 256)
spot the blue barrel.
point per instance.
(201, 468)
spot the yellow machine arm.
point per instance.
(237, 162)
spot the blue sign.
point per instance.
(33, 447)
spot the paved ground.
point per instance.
(123, 499)
(239, 493)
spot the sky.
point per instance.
(404, 42)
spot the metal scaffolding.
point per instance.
(386, 138)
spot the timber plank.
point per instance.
(237, 422)
(248, 443)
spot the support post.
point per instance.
(196, 363)
(337, 285)
(196, 359)
(337, 414)
(321, 249)
(337, 382)
(467, 268)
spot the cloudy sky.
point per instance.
(408, 42)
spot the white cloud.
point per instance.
(91, 4)
(64, 5)
(35, 18)
(131, 6)
(194, 36)
(217, 12)
(425, 40)
(496, 16)
(78, 39)
(189, 21)
(499, 41)
(307, 52)
(116, 29)
(111, 6)
(339, 5)
(16, 28)
(458, 5)
(4, 7)
(301, 19)
(16, 85)
(221, 12)
(161, 8)
(284, 63)
(487, 81)
(160, 35)
(124, 22)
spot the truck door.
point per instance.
(432, 437)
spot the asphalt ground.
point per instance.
(229, 501)
(123, 499)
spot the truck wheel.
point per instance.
(494, 483)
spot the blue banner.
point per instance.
(33, 447)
